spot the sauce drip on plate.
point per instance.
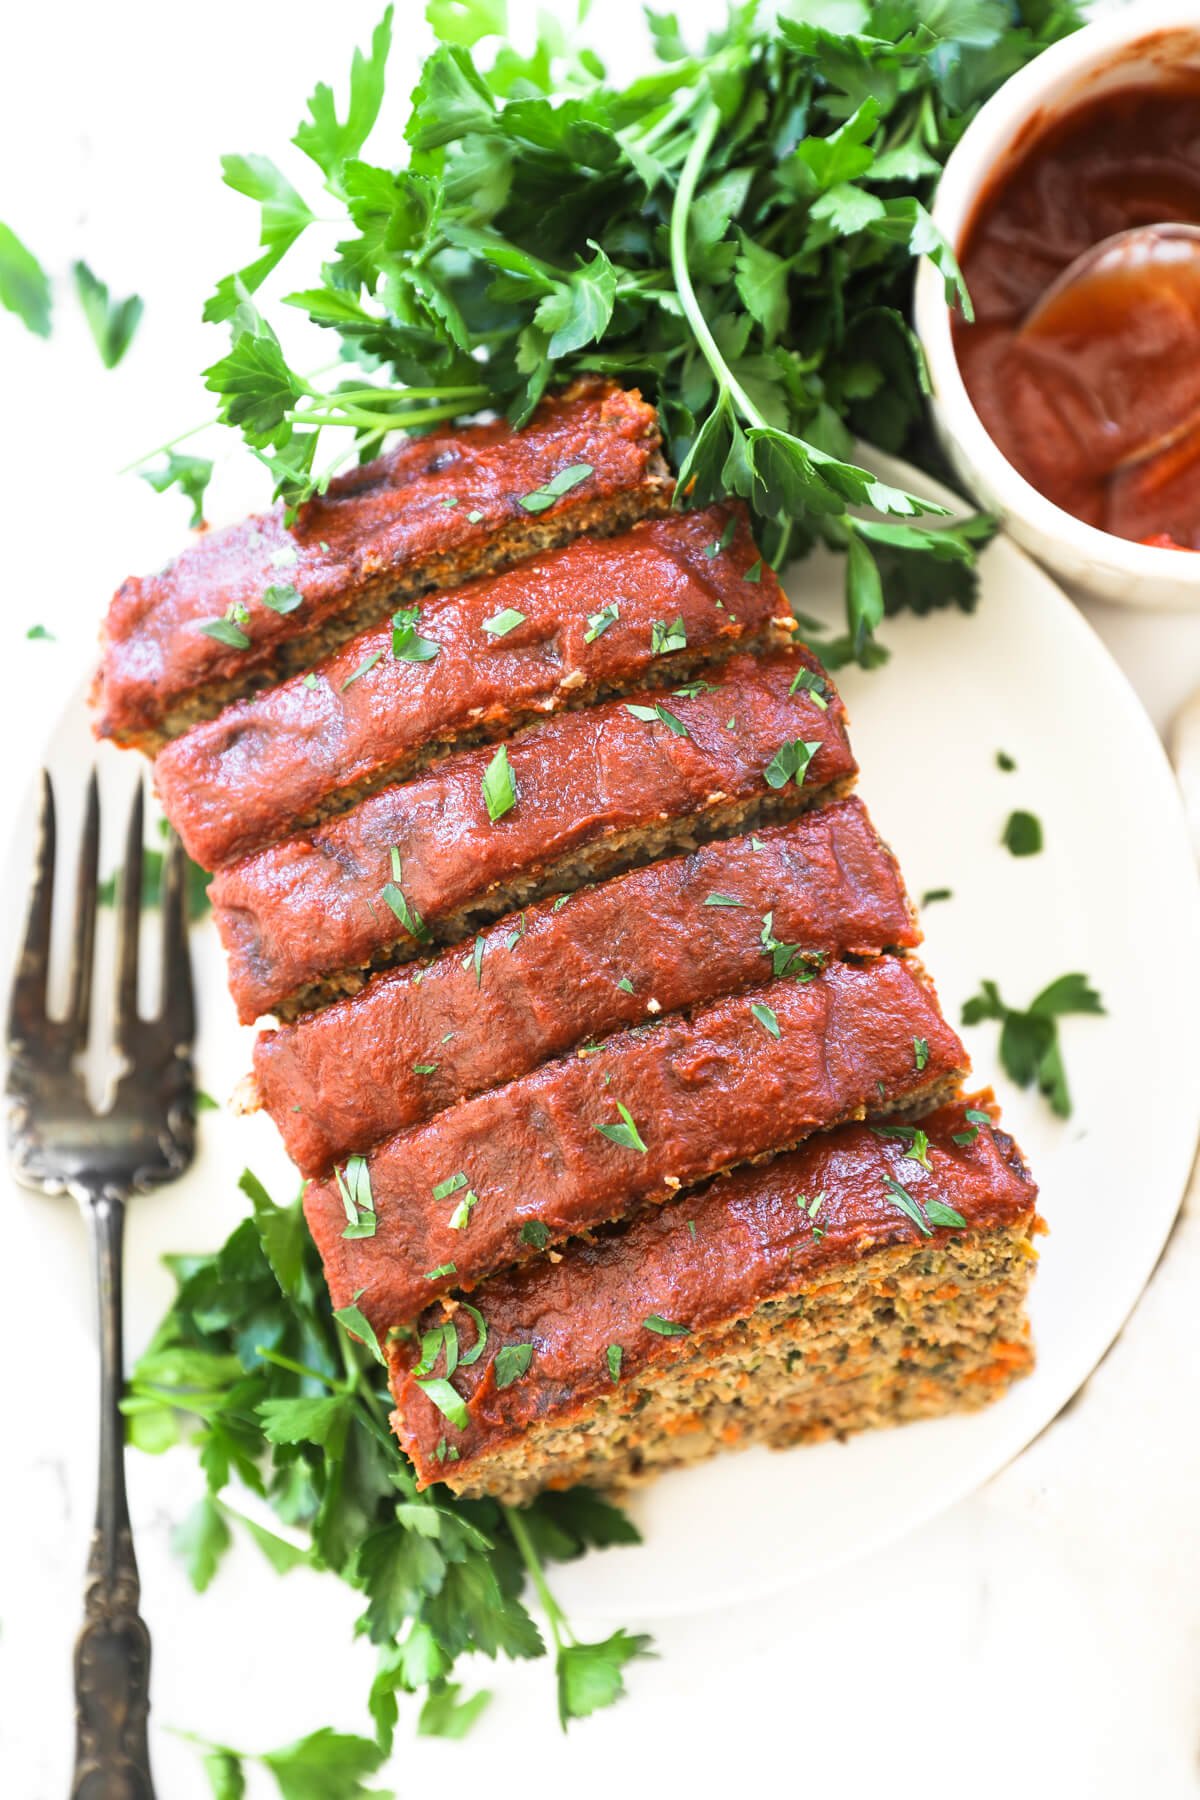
(1097, 404)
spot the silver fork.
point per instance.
(58, 1144)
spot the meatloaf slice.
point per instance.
(593, 618)
(589, 1138)
(595, 790)
(859, 1280)
(648, 943)
(430, 514)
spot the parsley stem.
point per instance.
(533, 1564)
(293, 1367)
(728, 387)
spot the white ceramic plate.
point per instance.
(1114, 894)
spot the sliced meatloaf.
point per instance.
(645, 944)
(432, 513)
(859, 1280)
(594, 791)
(498, 1178)
(593, 618)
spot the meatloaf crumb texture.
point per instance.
(431, 514)
(641, 946)
(579, 623)
(595, 791)
(553, 1154)
(808, 1305)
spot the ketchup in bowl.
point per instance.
(1094, 397)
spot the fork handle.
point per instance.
(112, 1651)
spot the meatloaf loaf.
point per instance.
(585, 1139)
(594, 791)
(645, 944)
(590, 619)
(247, 605)
(860, 1280)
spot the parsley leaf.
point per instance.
(112, 323)
(666, 1327)
(790, 763)
(512, 1361)
(498, 786)
(667, 638)
(501, 623)
(766, 1018)
(24, 287)
(190, 474)
(599, 622)
(1022, 834)
(407, 643)
(555, 488)
(626, 1134)
(1029, 1043)
(658, 714)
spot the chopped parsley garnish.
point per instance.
(932, 895)
(447, 1400)
(810, 1208)
(1022, 834)
(555, 488)
(481, 1335)
(535, 1234)
(613, 1357)
(691, 1225)
(453, 1184)
(364, 668)
(790, 762)
(625, 985)
(501, 623)
(516, 934)
(357, 1322)
(310, 680)
(440, 1273)
(282, 597)
(460, 1217)
(407, 643)
(354, 1189)
(477, 959)
(1029, 1046)
(766, 1018)
(450, 500)
(1005, 761)
(938, 1213)
(691, 688)
(975, 1118)
(814, 685)
(789, 959)
(920, 1052)
(498, 787)
(38, 634)
(511, 1363)
(474, 516)
(424, 1068)
(560, 903)
(285, 557)
(393, 897)
(913, 1137)
(724, 541)
(666, 1327)
(666, 638)
(754, 572)
(722, 900)
(228, 630)
(626, 1134)
(599, 622)
(658, 712)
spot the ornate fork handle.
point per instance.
(112, 1651)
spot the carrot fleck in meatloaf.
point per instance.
(592, 790)
(630, 1119)
(434, 512)
(869, 1277)
(641, 946)
(585, 1139)
(568, 627)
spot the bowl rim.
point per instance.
(999, 122)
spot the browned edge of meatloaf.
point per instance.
(612, 855)
(737, 1248)
(671, 669)
(644, 945)
(376, 599)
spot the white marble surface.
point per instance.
(1042, 1636)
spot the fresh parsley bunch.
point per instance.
(273, 1391)
(734, 231)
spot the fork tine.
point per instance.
(83, 938)
(27, 1006)
(178, 1007)
(128, 921)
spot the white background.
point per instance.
(1041, 1636)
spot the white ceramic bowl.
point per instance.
(1143, 43)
